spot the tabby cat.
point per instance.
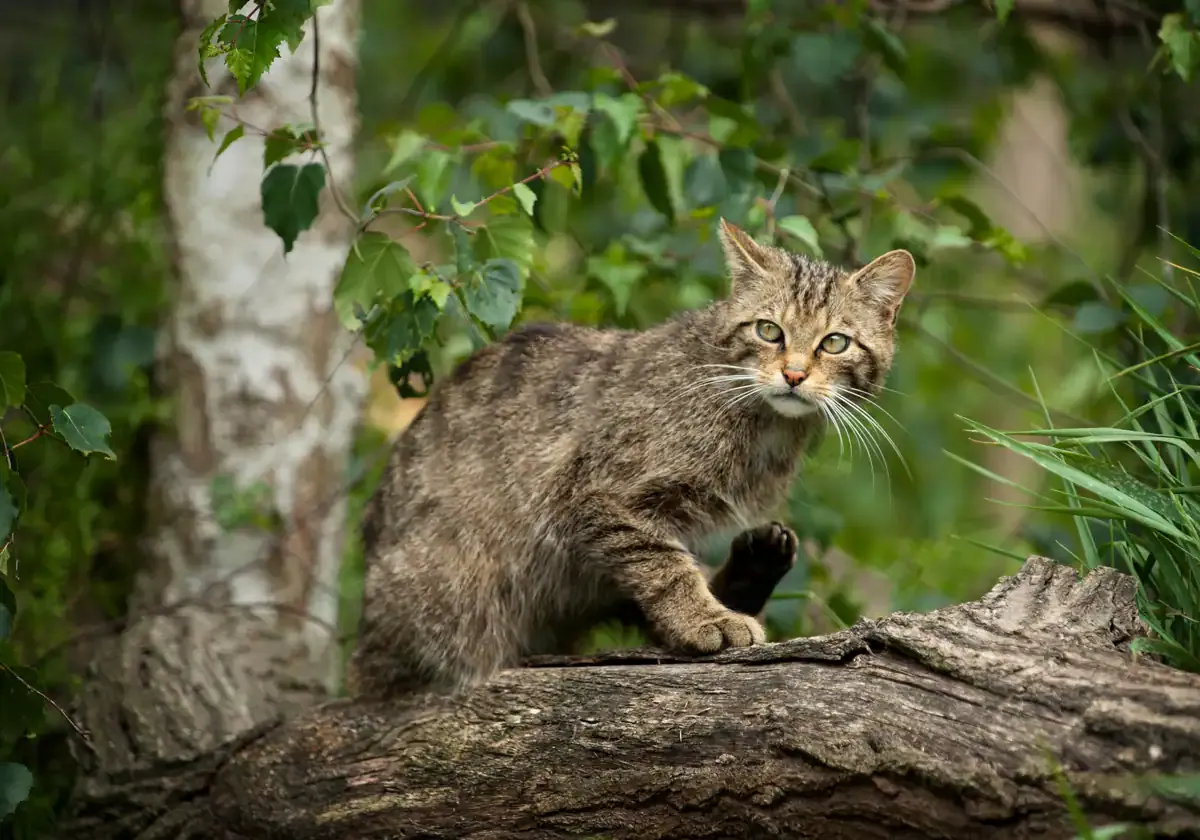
(558, 477)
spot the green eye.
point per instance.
(769, 331)
(835, 343)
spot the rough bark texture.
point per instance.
(229, 628)
(937, 725)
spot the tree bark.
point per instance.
(946, 725)
(232, 626)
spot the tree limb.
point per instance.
(947, 724)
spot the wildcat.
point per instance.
(557, 477)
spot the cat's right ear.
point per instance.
(745, 259)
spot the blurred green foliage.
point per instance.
(526, 161)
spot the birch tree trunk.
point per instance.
(229, 628)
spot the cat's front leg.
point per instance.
(656, 571)
(758, 560)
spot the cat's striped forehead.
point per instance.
(812, 283)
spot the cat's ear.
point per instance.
(745, 259)
(886, 280)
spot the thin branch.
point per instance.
(312, 98)
(80, 731)
(540, 83)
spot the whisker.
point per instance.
(855, 429)
(870, 400)
(852, 411)
(832, 421)
(862, 413)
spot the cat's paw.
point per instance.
(768, 551)
(726, 629)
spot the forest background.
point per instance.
(180, 302)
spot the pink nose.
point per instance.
(794, 377)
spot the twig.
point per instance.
(312, 98)
(426, 216)
(82, 733)
(540, 83)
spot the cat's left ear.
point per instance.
(886, 280)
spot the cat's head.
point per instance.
(808, 333)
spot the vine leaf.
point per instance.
(290, 199)
(12, 379)
(83, 428)
(8, 609)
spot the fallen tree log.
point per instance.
(948, 724)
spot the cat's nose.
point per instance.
(794, 377)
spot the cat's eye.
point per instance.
(769, 331)
(834, 343)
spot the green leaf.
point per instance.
(704, 182)
(284, 141)
(623, 112)
(493, 295)
(377, 266)
(526, 196)
(1180, 44)
(428, 284)
(433, 176)
(597, 29)
(737, 165)
(259, 40)
(538, 113)
(401, 376)
(882, 40)
(654, 180)
(12, 380)
(507, 238)
(12, 498)
(801, 228)
(232, 136)
(404, 145)
(83, 428)
(674, 89)
(949, 236)
(290, 199)
(39, 396)
(15, 784)
(239, 62)
(1003, 9)
(618, 276)
(462, 208)
(206, 49)
(410, 322)
(8, 609)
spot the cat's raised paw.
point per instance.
(767, 548)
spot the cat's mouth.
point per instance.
(792, 403)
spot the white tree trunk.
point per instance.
(230, 628)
